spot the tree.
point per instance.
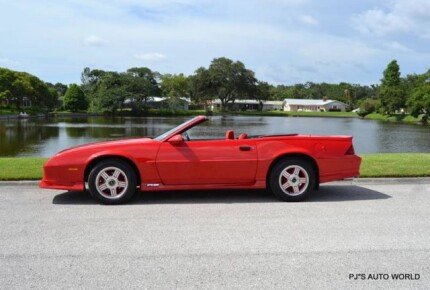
(368, 106)
(199, 86)
(107, 90)
(391, 92)
(74, 99)
(91, 80)
(175, 85)
(141, 83)
(419, 100)
(229, 81)
(20, 89)
(111, 93)
(175, 88)
(17, 87)
(60, 88)
(263, 91)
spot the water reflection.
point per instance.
(44, 137)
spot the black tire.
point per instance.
(275, 179)
(110, 167)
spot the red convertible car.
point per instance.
(292, 166)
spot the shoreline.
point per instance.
(401, 119)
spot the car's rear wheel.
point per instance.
(292, 179)
(112, 181)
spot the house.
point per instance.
(248, 105)
(323, 105)
(163, 103)
(273, 105)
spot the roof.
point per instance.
(162, 99)
(256, 102)
(154, 99)
(309, 102)
(273, 103)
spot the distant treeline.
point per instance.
(106, 91)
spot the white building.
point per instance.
(249, 105)
(323, 105)
(162, 102)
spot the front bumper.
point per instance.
(53, 184)
(62, 176)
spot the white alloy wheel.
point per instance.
(112, 182)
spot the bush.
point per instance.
(74, 100)
(368, 106)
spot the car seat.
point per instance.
(229, 134)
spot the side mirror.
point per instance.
(176, 140)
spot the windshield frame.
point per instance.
(181, 128)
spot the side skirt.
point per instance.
(162, 187)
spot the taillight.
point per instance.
(350, 150)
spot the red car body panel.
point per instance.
(204, 164)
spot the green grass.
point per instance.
(22, 168)
(129, 113)
(393, 118)
(395, 165)
(373, 165)
(169, 113)
(296, 114)
(13, 111)
(4, 111)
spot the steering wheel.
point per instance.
(187, 136)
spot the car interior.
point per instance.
(229, 135)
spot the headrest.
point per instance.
(243, 136)
(229, 134)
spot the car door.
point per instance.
(221, 161)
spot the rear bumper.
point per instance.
(333, 169)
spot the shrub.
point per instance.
(74, 100)
(368, 106)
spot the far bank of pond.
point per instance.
(399, 118)
(43, 137)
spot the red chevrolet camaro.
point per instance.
(291, 165)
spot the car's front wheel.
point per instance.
(292, 179)
(112, 181)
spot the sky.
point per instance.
(283, 42)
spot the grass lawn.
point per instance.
(297, 114)
(21, 168)
(4, 111)
(373, 165)
(393, 118)
(395, 165)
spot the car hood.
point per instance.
(106, 144)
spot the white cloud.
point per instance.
(4, 60)
(396, 46)
(7, 61)
(151, 56)
(308, 19)
(402, 16)
(93, 40)
(173, 36)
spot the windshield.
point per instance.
(164, 135)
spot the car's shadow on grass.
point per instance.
(326, 193)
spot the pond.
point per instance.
(45, 137)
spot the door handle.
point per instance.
(245, 148)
